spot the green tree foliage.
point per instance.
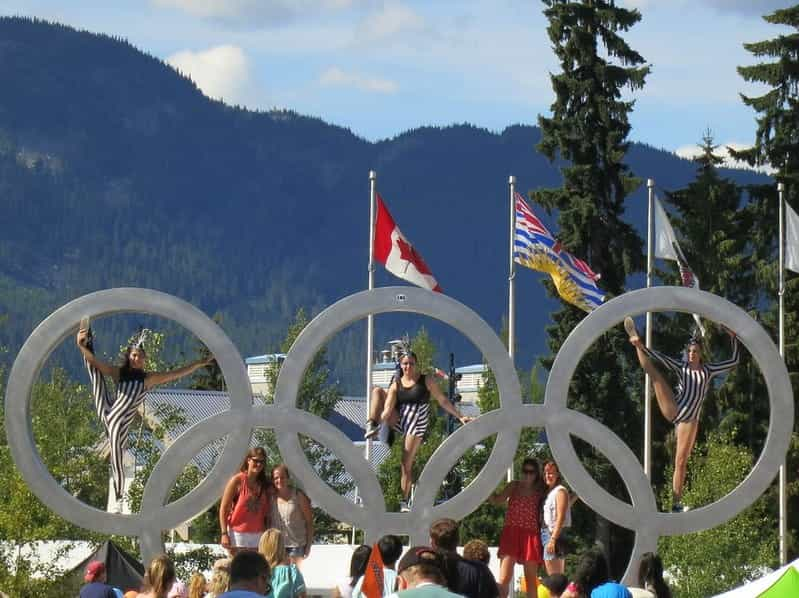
(709, 562)
(588, 130)
(67, 437)
(777, 137)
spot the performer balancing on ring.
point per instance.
(407, 409)
(116, 411)
(683, 405)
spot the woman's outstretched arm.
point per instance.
(445, 403)
(158, 378)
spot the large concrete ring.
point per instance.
(756, 341)
(396, 299)
(35, 352)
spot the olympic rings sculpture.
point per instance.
(642, 516)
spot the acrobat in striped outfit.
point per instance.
(407, 409)
(683, 405)
(117, 411)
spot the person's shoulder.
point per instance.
(296, 573)
(611, 589)
(97, 590)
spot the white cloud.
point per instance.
(221, 72)
(693, 151)
(745, 7)
(393, 20)
(748, 7)
(254, 13)
(335, 77)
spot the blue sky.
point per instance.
(383, 67)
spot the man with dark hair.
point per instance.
(390, 549)
(469, 578)
(421, 575)
(249, 576)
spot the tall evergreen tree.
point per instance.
(776, 145)
(588, 130)
(777, 137)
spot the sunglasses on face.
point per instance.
(528, 471)
(257, 461)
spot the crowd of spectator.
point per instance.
(385, 570)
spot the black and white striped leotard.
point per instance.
(693, 385)
(117, 413)
(413, 404)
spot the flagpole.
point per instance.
(370, 319)
(650, 258)
(511, 285)
(781, 293)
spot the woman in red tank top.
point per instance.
(520, 541)
(245, 504)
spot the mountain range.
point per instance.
(115, 170)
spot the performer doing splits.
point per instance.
(407, 408)
(683, 405)
(132, 384)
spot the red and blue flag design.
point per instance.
(534, 247)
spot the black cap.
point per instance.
(418, 555)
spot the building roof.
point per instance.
(477, 368)
(194, 405)
(349, 416)
(268, 358)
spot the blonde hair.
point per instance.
(272, 547)
(159, 576)
(219, 582)
(197, 586)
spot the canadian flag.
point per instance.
(399, 257)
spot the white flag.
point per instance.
(664, 234)
(667, 248)
(791, 239)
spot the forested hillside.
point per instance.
(115, 170)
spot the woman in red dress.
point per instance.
(520, 541)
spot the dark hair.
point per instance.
(125, 369)
(592, 570)
(696, 340)
(425, 563)
(555, 583)
(358, 562)
(444, 533)
(539, 479)
(248, 565)
(650, 575)
(410, 354)
(257, 452)
(390, 548)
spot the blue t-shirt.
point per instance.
(97, 590)
(611, 589)
(287, 581)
